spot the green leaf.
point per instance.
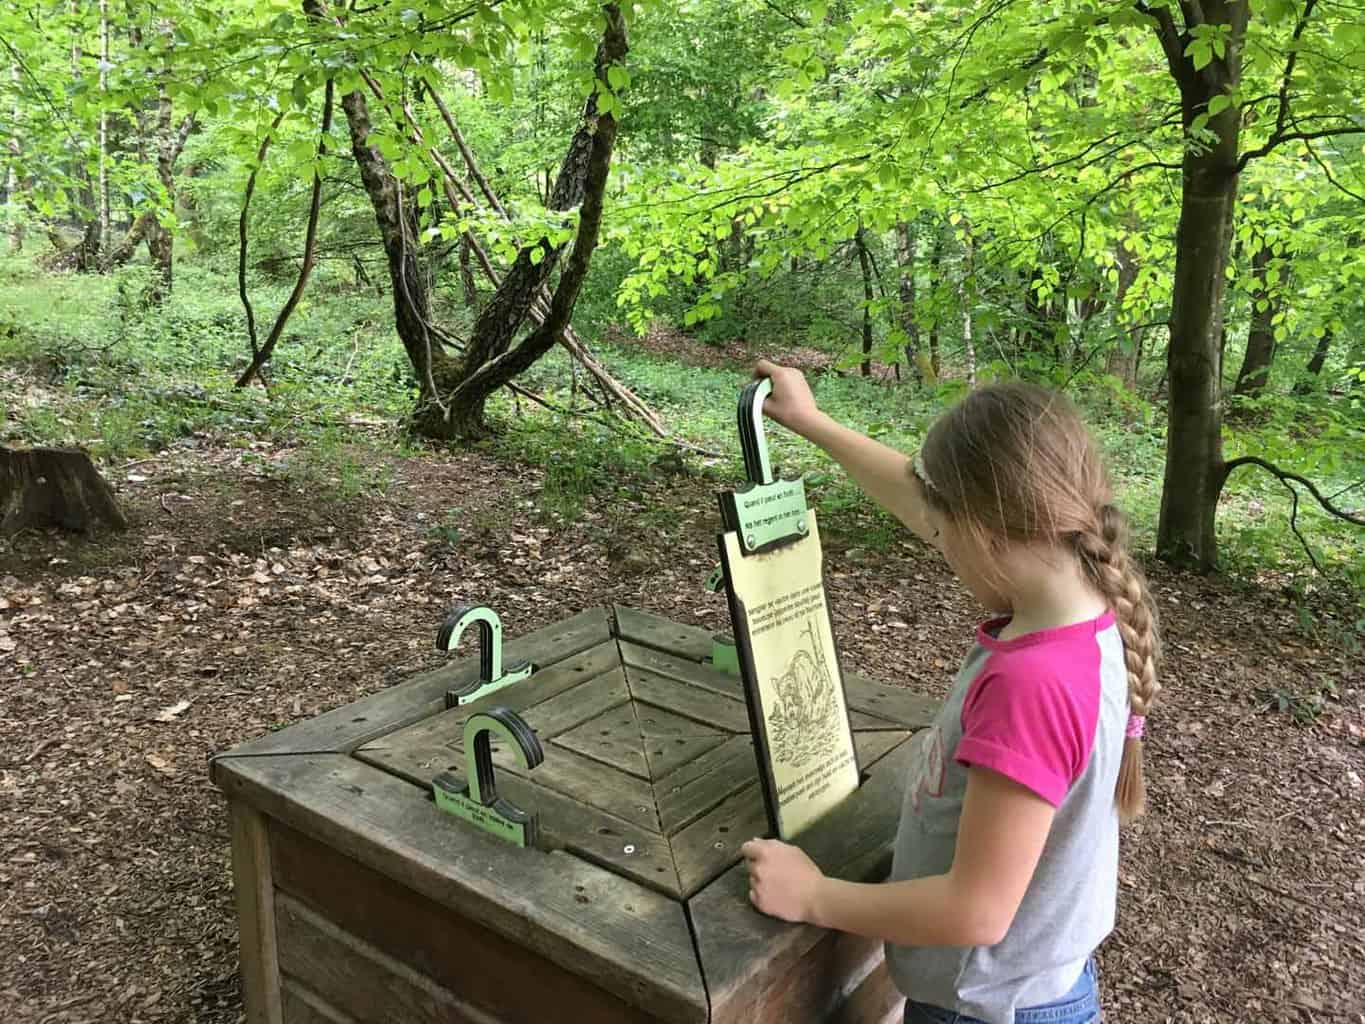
(618, 77)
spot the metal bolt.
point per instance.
(628, 848)
(719, 846)
(801, 525)
(749, 541)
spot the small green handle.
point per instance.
(752, 436)
(476, 799)
(492, 677)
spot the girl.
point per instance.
(1006, 860)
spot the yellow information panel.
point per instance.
(792, 679)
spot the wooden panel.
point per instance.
(573, 671)
(304, 1007)
(255, 892)
(710, 845)
(559, 714)
(346, 728)
(373, 987)
(670, 740)
(873, 746)
(563, 771)
(675, 667)
(483, 971)
(739, 949)
(612, 738)
(701, 784)
(875, 1001)
(649, 630)
(896, 703)
(629, 940)
(707, 706)
(863, 722)
(591, 782)
(627, 848)
(817, 988)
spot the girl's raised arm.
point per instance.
(883, 473)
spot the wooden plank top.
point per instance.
(346, 728)
(647, 790)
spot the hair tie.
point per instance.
(1136, 726)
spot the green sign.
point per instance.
(475, 798)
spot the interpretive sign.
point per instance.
(774, 577)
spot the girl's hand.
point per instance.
(791, 402)
(782, 879)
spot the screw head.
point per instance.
(749, 541)
(801, 525)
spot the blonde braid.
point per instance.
(1104, 554)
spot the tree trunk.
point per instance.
(1123, 357)
(104, 229)
(1194, 440)
(160, 240)
(1314, 369)
(1265, 304)
(488, 363)
(45, 487)
(865, 262)
(471, 289)
(16, 211)
(964, 293)
(906, 244)
(411, 296)
(935, 266)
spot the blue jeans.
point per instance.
(1079, 1006)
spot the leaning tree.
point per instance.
(525, 317)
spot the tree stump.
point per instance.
(42, 487)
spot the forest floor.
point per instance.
(237, 603)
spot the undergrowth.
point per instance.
(83, 363)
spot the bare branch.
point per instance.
(1282, 117)
(1357, 518)
(310, 240)
(1169, 35)
(242, 232)
(1328, 171)
(793, 18)
(1275, 141)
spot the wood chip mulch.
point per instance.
(236, 604)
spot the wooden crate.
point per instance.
(360, 902)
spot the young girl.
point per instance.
(1006, 860)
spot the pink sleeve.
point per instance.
(1025, 723)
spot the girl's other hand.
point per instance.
(791, 402)
(782, 879)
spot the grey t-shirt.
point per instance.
(1048, 710)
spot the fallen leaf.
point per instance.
(160, 764)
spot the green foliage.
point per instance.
(1303, 708)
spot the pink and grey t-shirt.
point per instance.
(1047, 710)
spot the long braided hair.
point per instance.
(1015, 463)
